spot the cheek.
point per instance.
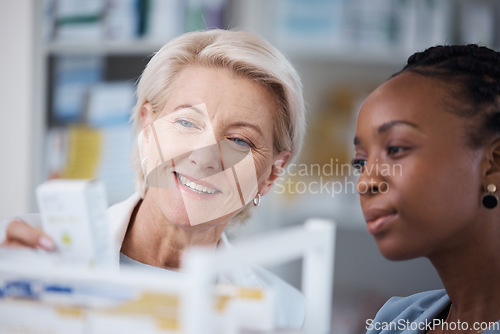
(436, 195)
(263, 168)
(170, 203)
(247, 182)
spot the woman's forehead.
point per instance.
(406, 94)
(411, 98)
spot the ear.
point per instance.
(277, 168)
(146, 114)
(491, 167)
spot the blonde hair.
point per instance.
(244, 54)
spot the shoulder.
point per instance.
(119, 213)
(118, 219)
(124, 207)
(418, 302)
(419, 307)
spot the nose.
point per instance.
(371, 181)
(206, 158)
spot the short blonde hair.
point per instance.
(244, 54)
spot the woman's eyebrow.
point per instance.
(387, 126)
(248, 125)
(188, 106)
(236, 124)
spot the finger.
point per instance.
(20, 232)
(13, 244)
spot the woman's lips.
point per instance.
(195, 185)
(377, 220)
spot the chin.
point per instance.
(395, 251)
(395, 256)
(181, 219)
(218, 221)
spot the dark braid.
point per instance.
(473, 75)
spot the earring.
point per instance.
(490, 200)
(256, 200)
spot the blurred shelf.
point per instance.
(343, 208)
(134, 47)
(350, 55)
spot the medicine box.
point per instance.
(74, 215)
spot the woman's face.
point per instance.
(416, 156)
(210, 150)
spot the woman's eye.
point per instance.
(240, 142)
(392, 150)
(186, 124)
(358, 163)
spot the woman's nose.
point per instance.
(206, 158)
(371, 181)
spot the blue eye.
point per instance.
(358, 163)
(185, 123)
(240, 142)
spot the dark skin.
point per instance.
(430, 204)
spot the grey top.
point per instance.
(418, 313)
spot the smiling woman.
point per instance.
(439, 119)
(207, 141)
(219, 114)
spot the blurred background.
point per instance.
(69, 68)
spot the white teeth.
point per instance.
(196, 187)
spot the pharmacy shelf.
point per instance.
(115, 48)
(386, 57)
(343, 208)
(350, 55)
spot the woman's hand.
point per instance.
(21, 234)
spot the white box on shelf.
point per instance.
(74, 214)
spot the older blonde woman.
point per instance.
(219, 114)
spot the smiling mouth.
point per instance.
(194, 186)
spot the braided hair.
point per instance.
(472, 76)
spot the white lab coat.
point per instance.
(290, 303)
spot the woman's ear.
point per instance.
(492, 163)
(277, 168)
(146, 114)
